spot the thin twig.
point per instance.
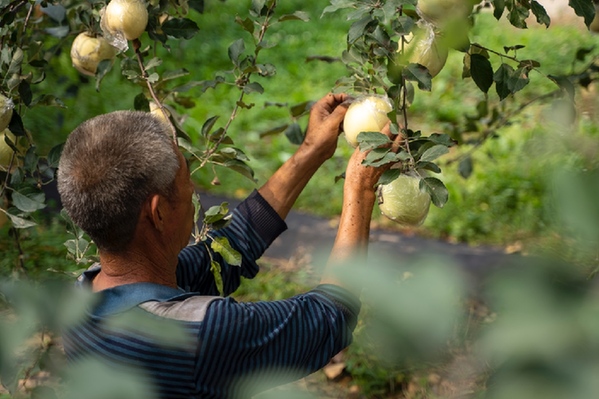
(144, 74)
(233, 115)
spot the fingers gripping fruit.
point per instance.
(6, 107)
(124, 20)
(403, 202)
(88, 51)
(365, 114)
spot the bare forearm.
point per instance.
(286, 184)
(351, 243)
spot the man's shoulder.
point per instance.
(191, 309)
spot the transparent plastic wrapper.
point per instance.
(427, 49)
(403, 202)
(367, 113)
(6, 107)
(123, 20)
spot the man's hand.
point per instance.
(324, 125)
(286, 184)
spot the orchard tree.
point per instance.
(394, 50)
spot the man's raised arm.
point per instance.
(286, 184)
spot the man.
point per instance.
(125, 183)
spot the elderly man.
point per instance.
(125, 183)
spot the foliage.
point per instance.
(34, 38)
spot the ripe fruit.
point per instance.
(403, 202)
(427, 49)
(125, 19)
(6, 106)
(366, 114)
(87, 52)
(6, 151)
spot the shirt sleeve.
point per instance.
(291, 338)
(254, 226)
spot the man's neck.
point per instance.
(134, 267)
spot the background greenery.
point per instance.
(511, 199)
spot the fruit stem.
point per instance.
(144, 74)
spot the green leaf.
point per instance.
(518, 80)
(154, 62)
(442, 138)
(583, 8)
(338, 5)
(103, 68)
(25, 93)
(180, 28)
(518, 15)
(370, 140)
(379, 157)
(178, 73)
(241, 168)
(247, 24)
(29, 203)
(253, 87)
(273, 131)
(19, 222)
(235, 50)
(436, 189)
(218, 278)
(402, 25)
(481, 71)
(296, 16)
(433, 167)
(540, 12)
(222, 246)
(216, 213)
(54, 155)
(434, 152)
(153, 78)
(389, 175)
(501, 78)
(208, 125)
(358, 28)
(294, 134)
(141, 103)
(15, 62)
(301, 109)
(420, 75)
(465, 167)
(498, 8)
(48, 100)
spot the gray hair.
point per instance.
(109, 166)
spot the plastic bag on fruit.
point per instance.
(426, 49)
(116, 39)
(367, 113)
(403, 202)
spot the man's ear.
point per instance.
(155, 211)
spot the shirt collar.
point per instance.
(124, 297)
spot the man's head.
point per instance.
(109, 167)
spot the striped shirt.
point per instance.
(191, 343)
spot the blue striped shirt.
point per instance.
(191, 343)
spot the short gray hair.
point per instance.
(109, 166)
